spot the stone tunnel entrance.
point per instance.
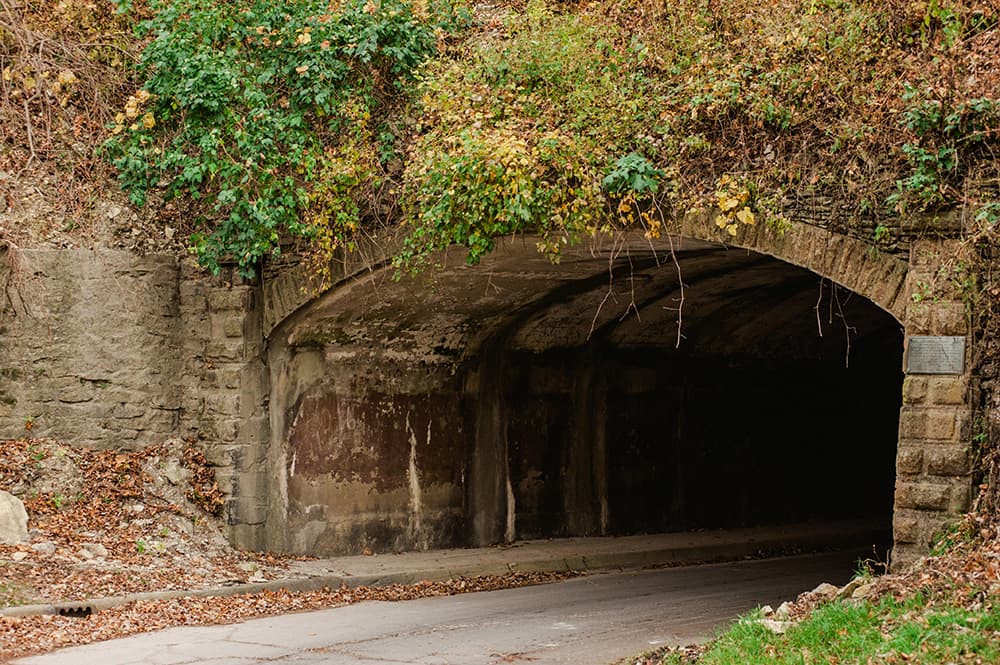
(614, 393)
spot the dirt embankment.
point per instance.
(109, 523)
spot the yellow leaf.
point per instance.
(726, 202)
(746, 216)
(731, 229)
(148, 121)
(722, 221)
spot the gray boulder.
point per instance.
(13, 520)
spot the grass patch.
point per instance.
(913, 629)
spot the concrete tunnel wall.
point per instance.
(518, 399)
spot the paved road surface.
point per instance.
(591, 620)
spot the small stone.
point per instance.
(248, 566)
(767, 610)
(169, 232)
(137, 507)
(45, 547)
(95, 549)
(863, 591)
(114, 211)
(84, 554)
(13, 520)
(174, 472)
(848, 589)
(19, 556)
(779, 627)
(784, 611)
(826, 589)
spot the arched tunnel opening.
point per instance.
(628, 389)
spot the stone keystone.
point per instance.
(13, 520)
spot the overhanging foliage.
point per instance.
(319, 120)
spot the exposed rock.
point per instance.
(863, 591)
(57, 472)
(826, 589)
(174, 472)
(94, 549)
(44, 547)
(848, 589)
(13, 520)
(779, 627)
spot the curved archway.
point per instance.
(877, 276)
(519, 398)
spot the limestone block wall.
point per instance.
(89, 346)
(224, 390)
(109, 349)
(933, 461)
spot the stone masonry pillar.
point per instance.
(933, 460)
(227, 392)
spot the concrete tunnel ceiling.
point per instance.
(521, 398)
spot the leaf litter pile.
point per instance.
(113, 523)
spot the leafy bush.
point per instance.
(520, 132)
(247, 107)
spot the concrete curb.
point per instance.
(594, 562)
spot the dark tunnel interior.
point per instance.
(697, 444)
(778, 405)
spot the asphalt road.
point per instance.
(592, 620)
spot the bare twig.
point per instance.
(680, 277)
(616, 248)
(819, 301)
(631, 283)
(848, 329)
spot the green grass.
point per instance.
(914, 630)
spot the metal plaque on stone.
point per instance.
(930, 354)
